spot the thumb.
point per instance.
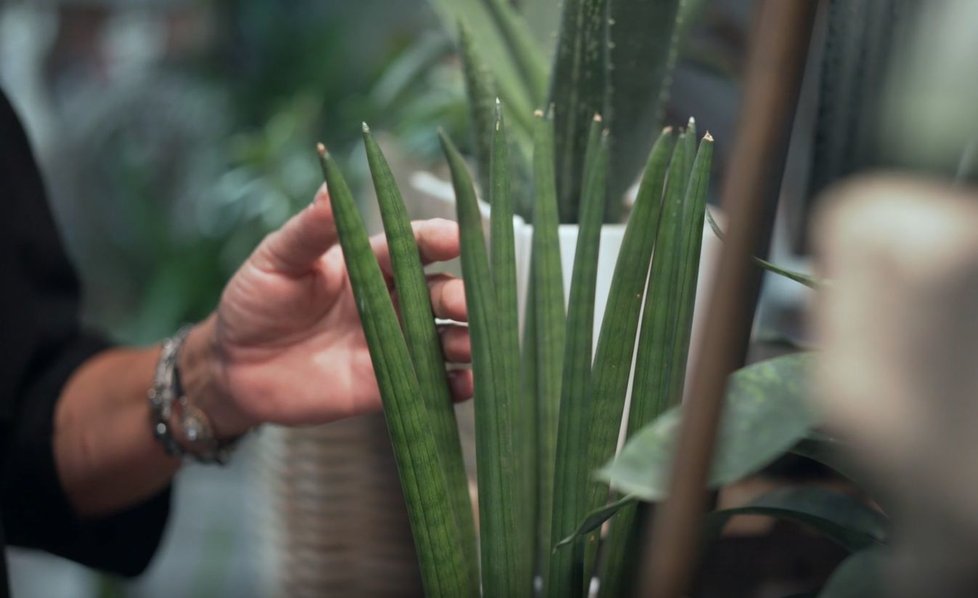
(298, 243)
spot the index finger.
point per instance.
(437, 241)
(299, 243)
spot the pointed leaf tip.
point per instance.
(321, 149)
(538, 113)
(365, 127)
(597, 118)
(707, 137)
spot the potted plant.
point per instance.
(539, 432)
(549, 408)
(519, 434)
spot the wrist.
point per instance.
(204, 382)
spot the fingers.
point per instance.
(437, 241)
(447, 297)
(297, 245)
(455, 343)
(457, 348)
(461, 384)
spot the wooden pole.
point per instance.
(782, 32)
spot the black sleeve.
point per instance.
(41, 344)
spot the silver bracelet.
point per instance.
(172, 414)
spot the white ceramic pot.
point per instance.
(436, 198)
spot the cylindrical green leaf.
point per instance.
(521, 432)
(616, 342)
(522, 47)
(660, 367)
(644, 37)
(694, 211)
(548, 305)
(437, 536)
(570, 482)
(531, 442)
(578, 91)
(423, 340)
(495, 408)
(481, 90)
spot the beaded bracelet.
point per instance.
(172, 414)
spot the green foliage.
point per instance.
(619, 328)
(515, 531)
(423, 340)
(766, 413)
(611, 58)
(805, 279)
(859, 576)
(571, 466)
(477, 17)
(482, 94)
(440, 535)
(844, 519)
(577, 92)
(504, 535)
(547, 291)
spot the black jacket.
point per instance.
(40, 346)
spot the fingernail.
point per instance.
(322, 192)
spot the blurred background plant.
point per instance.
(175, 134)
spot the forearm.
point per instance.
(106, 455)
(104, 448)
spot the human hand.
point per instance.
(285, 344)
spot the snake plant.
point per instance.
(548, 412)
(546, 409)
(610, 57)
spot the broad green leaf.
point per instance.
(838, 455)
(828, 451)
(423, 340)
(859, 576)
(577, 93)
(438, 537)
(548, 288)
(570, 485)
(841, 518)
(501, 526)
(660, 369)
(765, 414)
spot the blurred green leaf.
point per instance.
(841, 518)
(765, 414)
(492, 46)
(644, 43)
(859, 576)
(596, 518)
